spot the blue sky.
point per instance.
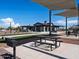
(25, 12)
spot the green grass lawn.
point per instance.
(24, 37)
(19, 38)
(2, 41)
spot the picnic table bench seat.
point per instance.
(48, 43)
(58, 41)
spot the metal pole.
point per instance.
(78, 14)
(14, 49)
(66, 25)
(10, 27)
(50, 22)
(14, 52)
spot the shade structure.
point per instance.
(69, 13)
(57, 4)
(78, 13)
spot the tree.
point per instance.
(9, 28)
(1, 28)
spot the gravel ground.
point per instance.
(3, 45)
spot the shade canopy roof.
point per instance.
(69, 13)
(57, 4)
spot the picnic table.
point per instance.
(48, 38)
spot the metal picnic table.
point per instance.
(49, 38)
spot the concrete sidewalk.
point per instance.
(65, 51)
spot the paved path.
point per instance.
(65, 51)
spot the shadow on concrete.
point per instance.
(53, 55)
(8, 56)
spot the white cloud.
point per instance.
(60, 22)
(7, 21)
(70, 22)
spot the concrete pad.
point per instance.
(65, 51)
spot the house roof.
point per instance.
(42, 24)
(45, 24)
(37, 24)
